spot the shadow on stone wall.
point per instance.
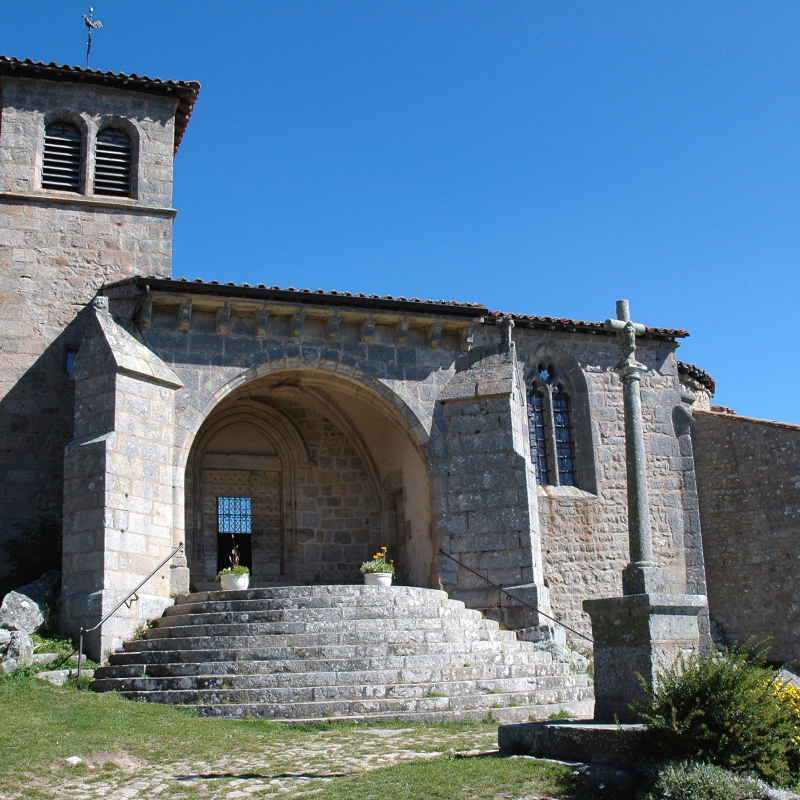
(36, 424)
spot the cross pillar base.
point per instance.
(642, 577)
(638, 635)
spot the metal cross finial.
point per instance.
(91, 25)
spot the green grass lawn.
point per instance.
(149, 750)
(445, 778)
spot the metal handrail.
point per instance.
(118, 606)
(513, 597)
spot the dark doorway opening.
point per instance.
(225, 544)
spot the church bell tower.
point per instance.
(86, 168)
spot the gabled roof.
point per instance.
(184, 91)
(384, 302)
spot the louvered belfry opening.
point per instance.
(112, 167)
(62, 157)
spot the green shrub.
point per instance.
(728, 709)
(688, 780)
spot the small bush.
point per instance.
(689, 780)
(730, 710)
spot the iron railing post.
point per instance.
(513, 597)
(80, 654)
(117, 608)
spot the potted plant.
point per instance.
(236, 577)
(378, 571)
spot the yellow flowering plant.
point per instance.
(729, 709)
(378, 563)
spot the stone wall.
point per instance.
(748, 476)
(339, 516)
(585, 528)
(56, 250)
(463, 411)
(119, 485)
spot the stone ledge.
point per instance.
(131, 206)
(609, 745)
(663, 603)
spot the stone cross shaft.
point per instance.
(641, 576)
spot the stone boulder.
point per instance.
(25, 609)
(18, 652)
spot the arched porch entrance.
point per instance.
(308, 474)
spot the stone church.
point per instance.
(144, 411)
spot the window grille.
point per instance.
(234, 515)
(61, 168)
(537, 434)
(112, 167)
(563, 436)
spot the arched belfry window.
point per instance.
(61, 167)
(550, 428)
(112, 166)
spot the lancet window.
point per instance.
(550, 428)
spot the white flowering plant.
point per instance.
(378, 563)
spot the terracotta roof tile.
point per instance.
(700, 375)
(386, 302)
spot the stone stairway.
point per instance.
(346, 652)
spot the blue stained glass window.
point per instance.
(563, 432)
(234, 515)
(538, 439)
(71, 356)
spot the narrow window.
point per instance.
(71, 355)
(537, 434)
(112, 168)
(563, 435)
(61, 168)
(234, 515)
(234, 531)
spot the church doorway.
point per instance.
(242, 510)
(306, 477)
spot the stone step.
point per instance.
(344, 652)
(354, 628)
(383, 642)
(380, 594)
(285, 658)
(579, 709)
(344, 684)
(320, 603)
(304, 672)
(458, 617)
(360, 700)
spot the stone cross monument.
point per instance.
(645, 629)
(641, 575)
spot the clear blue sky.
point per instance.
(538, 157)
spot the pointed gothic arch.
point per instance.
(563, 422)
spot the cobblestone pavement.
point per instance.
(280, 770)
